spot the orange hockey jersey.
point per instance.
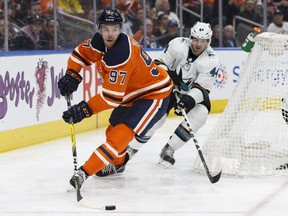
(127, 71)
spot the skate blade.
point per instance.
(163, 164)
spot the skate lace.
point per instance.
(110, 168)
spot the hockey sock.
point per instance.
(113, 151)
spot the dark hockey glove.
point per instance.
(77, 112)
(177, 80)
(69, 82)
(187, 103)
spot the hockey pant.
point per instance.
(125, 123)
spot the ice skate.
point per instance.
(166, 157)
(82, 176)
(111, 169)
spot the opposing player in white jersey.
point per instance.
(192, 64)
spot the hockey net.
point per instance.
(251, 136)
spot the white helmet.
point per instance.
(201, 30)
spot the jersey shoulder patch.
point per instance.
(119, 53)
(97, 42)
(178, 47)
(180, 41)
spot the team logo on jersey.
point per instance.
(210, 54)
(221, 77)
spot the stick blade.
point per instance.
(77, 186)
(79, 196)
(214, 179)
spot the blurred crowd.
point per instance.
(32, 25)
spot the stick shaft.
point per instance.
(74, 152)
(213, 179)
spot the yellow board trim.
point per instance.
(27, 136)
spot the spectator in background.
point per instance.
(136, 21)
(151, 40)
(161, 24)
(208, 9)
(11, 35)
(171, 33)
(283, 6)
(47, 37)
(188, 18)
(86, 5)
(149, 11)
(71, 6)
(164, 6)
(2, 33)
(30, 34)
(278, 25)
(128, 10)
(36, 8)
(250, 13)
(231, 8)
(215, 36)
(48, 6)
(22, 10)
(89, 15)
(229, 37)
(14, 29)
(271, 8)
(88, 24)
(11, 12)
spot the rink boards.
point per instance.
(31, 106)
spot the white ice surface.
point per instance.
(34, 181)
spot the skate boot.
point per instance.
(166, 157)
(111, 169)
(82, 176)
(131, 152)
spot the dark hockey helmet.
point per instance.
(110, 16)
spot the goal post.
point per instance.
(250, 137)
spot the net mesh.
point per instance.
(251, 136)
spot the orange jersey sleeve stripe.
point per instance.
(83, 55)
(156, 88)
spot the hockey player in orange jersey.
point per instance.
(133, 86)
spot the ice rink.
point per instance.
(34, 181)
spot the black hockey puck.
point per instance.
(110, 207)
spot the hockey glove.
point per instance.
(77, 112)
(177, 80)
(69, 82)
(187, 103)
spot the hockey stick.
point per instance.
(79, 197)
(213, 179)
(74, 152)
